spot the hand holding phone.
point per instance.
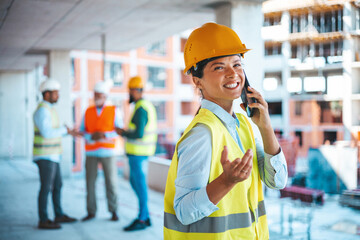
(245, 99)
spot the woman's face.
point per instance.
(222, 81)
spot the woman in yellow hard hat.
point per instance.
(214, 188)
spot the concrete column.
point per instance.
(246, 18)
(224, 14)
(285, 75)
(347, 73)
(59, 65)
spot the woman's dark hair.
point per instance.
(199, 70)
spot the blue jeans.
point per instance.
(50, 179)
(138, 172)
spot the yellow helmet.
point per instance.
(211, 40)
(136, 82)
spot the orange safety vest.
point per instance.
(102, 123)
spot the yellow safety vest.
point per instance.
(47, 146)
(146, 145)
(241, 213)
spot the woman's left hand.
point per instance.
(261, 113)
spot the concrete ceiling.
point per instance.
(30, 28)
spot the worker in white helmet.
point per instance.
(47, 154)
(98, 126)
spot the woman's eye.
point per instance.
(238, 65)
(218, 68)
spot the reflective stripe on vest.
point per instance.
(241, 213)
(47, 146)
(146, 145)
(102, 123)
(215, 224)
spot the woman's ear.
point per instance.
(197, 82)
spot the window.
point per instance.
(270, 83)
(304, 23)
(331, 111)
(158, 48)
(114, 72)
(334, 86)
(273, 50)
(299, 135)
(275, 108)
(295, 24)
(278, 133)
(294, 50)
(357, 19)
(339, 23)
(298, 108)
(319, 50)
(338, 48)
(317, 21)
(268, 51)
(277, 49)
(186, 108)
(156, 77)
(329, 137)
(160, 110)
(314, 84)
(327, 50)
(272, 20)
(305, 52)
(328, 22)
(294, 85)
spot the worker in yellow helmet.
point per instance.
(214, 188)
(140, 144)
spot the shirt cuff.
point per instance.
(88, 139)
(276, 170)
(112, 134)
(203, 203)
(63, 131)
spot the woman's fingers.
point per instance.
(242, 106)
(255, 94)
(239, 169)
(246, 162)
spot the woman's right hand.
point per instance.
(234, 172)
(237, 170)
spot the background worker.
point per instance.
(214, 188)
(47, 154)
(140, 144)
(98, 126)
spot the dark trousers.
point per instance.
(50, 179)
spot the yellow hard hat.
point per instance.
(136, 82)
(211, 40)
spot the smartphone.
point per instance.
(246, 100)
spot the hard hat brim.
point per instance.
(186, 70)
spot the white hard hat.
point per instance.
(49, 85)
(103, 87)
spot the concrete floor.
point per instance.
(19, 187)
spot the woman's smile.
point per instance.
(232, 86)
